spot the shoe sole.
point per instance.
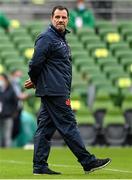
(36, 174)
(41, 174)
(97, 168)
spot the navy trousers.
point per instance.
(56, 113)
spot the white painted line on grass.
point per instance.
(118, 170)
(14, 162)
(63, 165)
(107, 169)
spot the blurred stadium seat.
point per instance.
(115, 129)
(103, 54)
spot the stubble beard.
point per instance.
(61, 28)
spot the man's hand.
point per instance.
(29, 84)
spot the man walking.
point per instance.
(50, 73)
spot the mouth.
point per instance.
(61, 27)
(60, 24)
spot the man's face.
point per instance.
(3, 83)
(60, 20)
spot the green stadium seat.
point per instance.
(37, 24)
(79, 62)
(35, 33)
(72, 38)
(79, 85)
(124, 24)
(126, 61)
(76, 47)
(9, 54)
(104, 24)
(126, 31)
(112, 37)
(81, 88)
(86, 124)
(4, 38)
(102, 61)
(79, 54)
(115, 131)
(109, 63)
(83, 31)
(71, 35)
(36, 27)
(89, 70)
(2, 32)
(113, 69)
(97, 50)
(77, 79)
(100, 85)
(129, 40)
(22, 40)
(101, 104)
(129, 69)
(90, 39)
(123, 81)
(21, 32)
(127, 102)
(123, 54)
(92, 46)
(115, 76)
(88, 133)
(103, 32)
(127, 109)
(10, 64)
(111, 90)
(118, 47)
(84, 116)
(98, 77)
(22, 47)
(6, 47)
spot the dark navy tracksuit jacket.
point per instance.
(50, 68)
(51, 71)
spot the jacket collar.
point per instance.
(57, 32)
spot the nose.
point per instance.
(60, 19)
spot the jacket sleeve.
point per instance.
(41, 51)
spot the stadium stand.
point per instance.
(103, 54)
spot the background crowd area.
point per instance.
(101, 46)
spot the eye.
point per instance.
(64, 17)
(57, 17)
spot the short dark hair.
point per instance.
(5, 76)
(60, 8)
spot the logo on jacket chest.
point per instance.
(62, 48)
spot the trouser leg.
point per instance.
(16, 124)
(64, 120)
(7, 133)
(42, 138)
(1, 132)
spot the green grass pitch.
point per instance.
(17, 164)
